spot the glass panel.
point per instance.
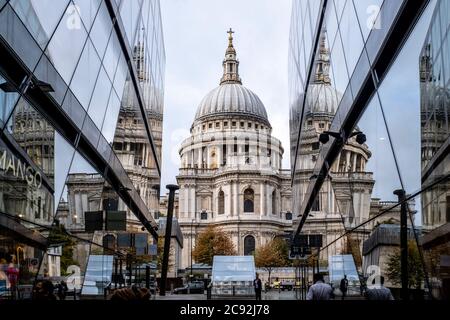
(367, 12)
(8, 99)
(101, 30)
(14, 32)
(86, 74)
(66, 46)
(99, 101)
(110, 122)
(87, 9)
(40, 21)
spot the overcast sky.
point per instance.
(195, 41)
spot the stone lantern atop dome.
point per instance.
(230, 63)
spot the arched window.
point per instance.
(249, 245)
(249, 198)
(221, 203)
(274, 202)
(109, 242)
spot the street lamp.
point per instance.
(325, 136)
(192, 224)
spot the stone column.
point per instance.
(354, 162)
(200, 157)
(236, 198)
(229, 200)
(347, 164)
(192, 201)
(338, 160)
(262, 199)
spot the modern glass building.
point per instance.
(81, 104)
(369, 105)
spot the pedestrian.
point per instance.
(44, 291)
(379, 292)
(344, 286)
(62, 290)
(319, 290)
(258, 287)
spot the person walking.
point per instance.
(62, 290)
(344, 286)
(258, 287)
(379, 292)
(319, 290)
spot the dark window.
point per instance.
(204, 215)
(249, 245)
(247, 145)
(221, 202)
(242, 124)
(249, 198)
(288, 216)
(225, 124)
(224, 153)
(274, 202)
(109, 242)
(210, 125)
(233, 123)
(235, 148)
(315, 146)
(316, 204)
(448, 209)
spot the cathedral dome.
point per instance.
(322, 98)
(231, 98)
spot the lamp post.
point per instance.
(192, 235)
(165, 263)
(403, 242)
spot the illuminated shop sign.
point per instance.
(14, 166)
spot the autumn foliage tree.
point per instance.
(212, 242)
(415, 267)
(273, 254)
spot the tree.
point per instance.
(160, 256)
(212, 242)
(273, 254)
(415, 267)
(59, 236)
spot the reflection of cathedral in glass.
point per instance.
(345, 198)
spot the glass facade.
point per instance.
(369, 104)
(81, 111)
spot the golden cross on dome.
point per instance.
(230, 36)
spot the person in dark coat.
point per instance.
(344, 286)
(258, 287)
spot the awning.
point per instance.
(22, 233)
